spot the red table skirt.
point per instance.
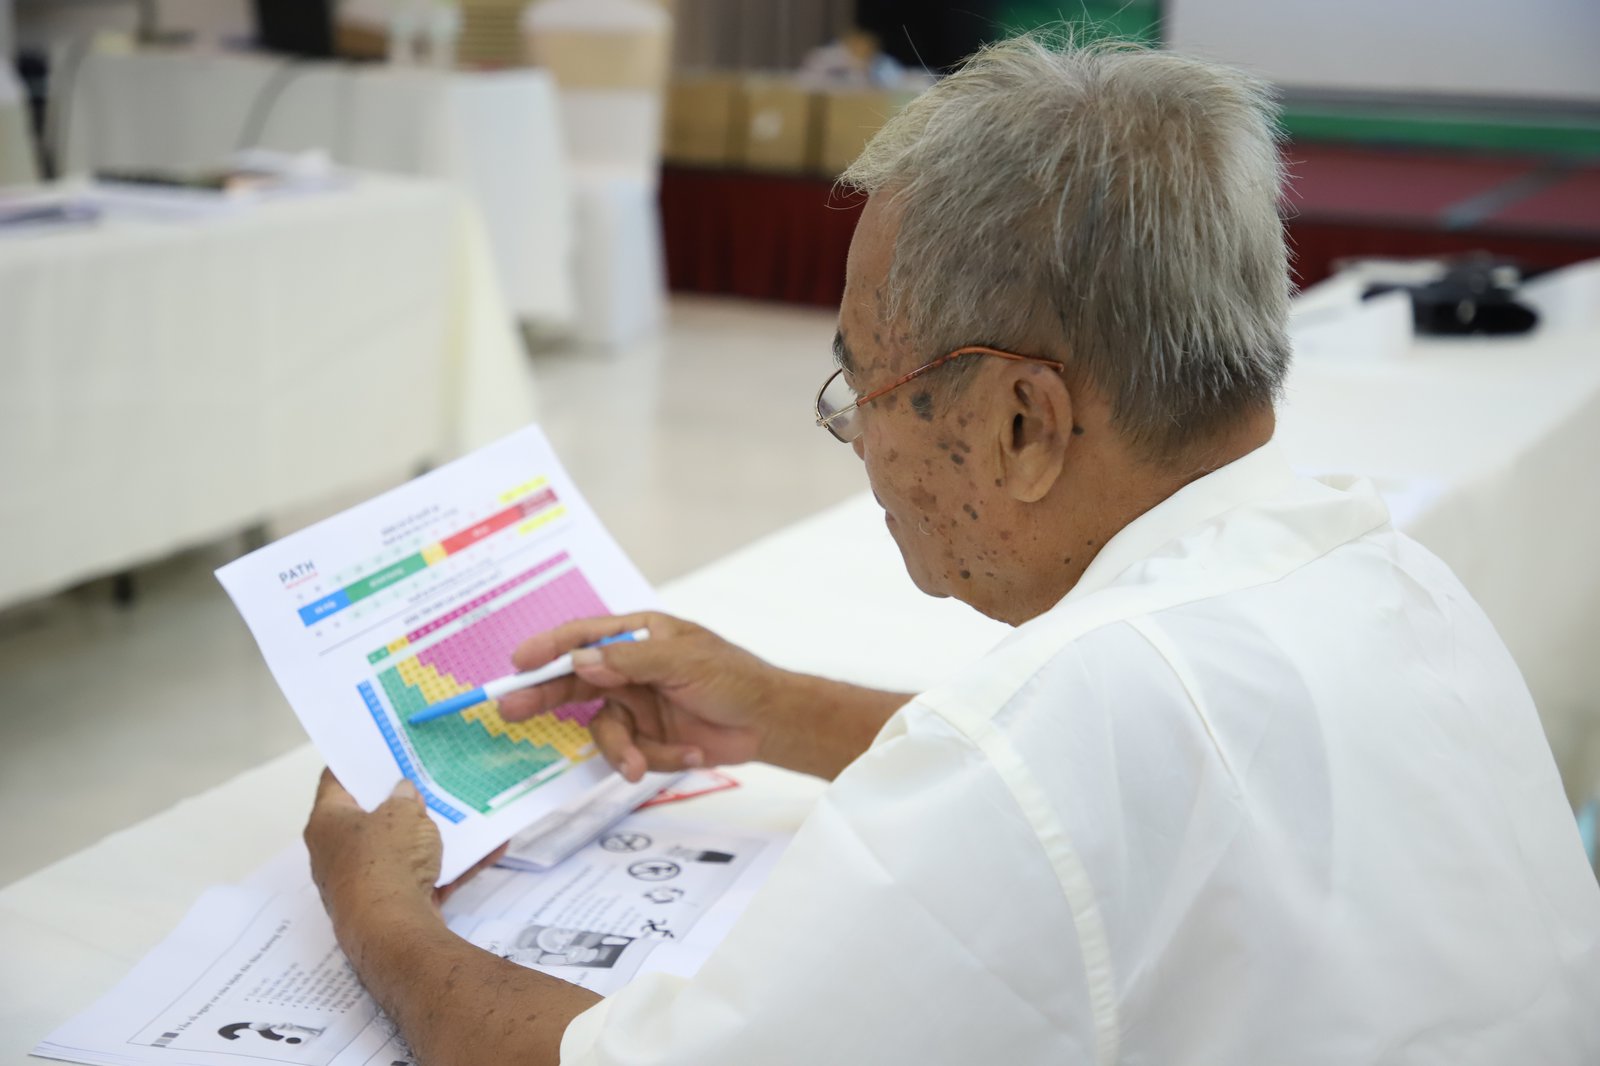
(780, 237)
(769, 237)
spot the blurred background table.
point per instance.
(170, 381)
(496, 135)
(1485, 447)
(17, 163)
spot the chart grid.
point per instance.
(401, 757)
(476, 756)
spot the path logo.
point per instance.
(298, 574)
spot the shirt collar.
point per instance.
(1256, 476)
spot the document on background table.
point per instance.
(253, 971)
(421, 594)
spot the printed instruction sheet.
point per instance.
(253, 972)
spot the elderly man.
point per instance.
(1253, 780)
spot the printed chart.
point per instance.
(422, 594)
(477, 756)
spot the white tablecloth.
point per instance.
(1487, 449)
(17, 163)
(495, 134)
(168, 382)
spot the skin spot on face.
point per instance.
(1066, 561)
(922, 499)
(998, 482)
(1005, 534)
(942, 445)
(922, 403)
(1077, 431)
(956, 458)
(961, 420)
(972, 512)
(988, 573)
(1090, 543)
(890, 402)
(894, 453)
(964, 446)
(966, 575)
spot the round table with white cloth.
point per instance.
(17, 163)
(494, 134)
(177, 377)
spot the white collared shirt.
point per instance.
(1264, 788)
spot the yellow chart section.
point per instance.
(545, 730)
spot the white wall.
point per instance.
(1520, 49)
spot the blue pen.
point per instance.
(493, 690)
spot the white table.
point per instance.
(496, 135)
(17, 163)
(167, 382)
(72, 930)
(1487, 448)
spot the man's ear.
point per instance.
(1035, 431)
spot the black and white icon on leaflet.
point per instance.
(664, 895)
(625, 841)
(655, 870)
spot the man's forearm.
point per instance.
(823, 725)
(456, 1004)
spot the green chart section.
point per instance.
(473, 758)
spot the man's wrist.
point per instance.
(364, 920)
(818, 726)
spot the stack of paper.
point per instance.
(253, 971)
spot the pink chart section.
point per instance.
(482, 651)
(494, 593)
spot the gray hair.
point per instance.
(1124, 197)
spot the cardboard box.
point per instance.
(849, 119)
(491, 33)
(779, 127)
(703, 115)
(586, 60)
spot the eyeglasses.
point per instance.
(839, 408)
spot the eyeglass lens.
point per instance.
(836, 396)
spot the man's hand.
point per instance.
(683, 698)
(363, 862)
(450, 999)
(687, 698)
